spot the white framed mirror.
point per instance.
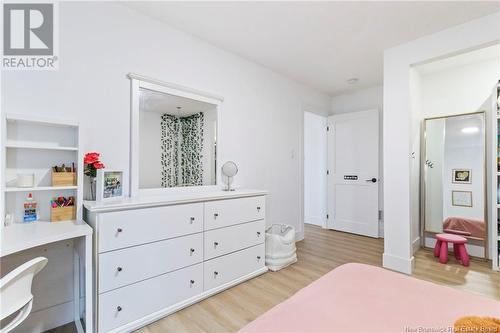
(174, 137)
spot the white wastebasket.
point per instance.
(280, 246)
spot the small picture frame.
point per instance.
(109, 184)
(462, 176)
(461, 198)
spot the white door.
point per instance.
(315, 165)
(353, 167)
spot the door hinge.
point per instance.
(380, 215)
(327, 216)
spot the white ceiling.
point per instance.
(155, 101)
(475, 56)
(321, 44)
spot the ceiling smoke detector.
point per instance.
(353, 80)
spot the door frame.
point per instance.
(325, 113)
(325, 192)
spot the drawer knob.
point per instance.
(192, 281)
(216, 243)
(119, 230)
(192, 219)
(119, 269)
(118, 308)
(258, 208)
(258, 233)
(258, 257)
(215, 274)
(216, 215)
(192, 250)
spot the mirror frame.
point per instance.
(423, 232)
(136, 83)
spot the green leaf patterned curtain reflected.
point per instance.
(182, 146)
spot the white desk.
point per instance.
(23, 236)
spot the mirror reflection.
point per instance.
(454, 172)
(177, 141)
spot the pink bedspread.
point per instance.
(363, 298)
(476, 228)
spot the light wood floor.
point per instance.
(321, 251)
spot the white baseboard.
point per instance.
(181, 305)
(380, 229)
(315, 220)
(299, 235)
(415, 245)
(398, 264)
(48, 318)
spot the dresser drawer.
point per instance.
(133, 227)
(224, 213)
(124, 305)
(122, 267)
(232, 266)
(230, 239)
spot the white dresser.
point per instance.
(156, 255)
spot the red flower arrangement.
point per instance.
(92, 163)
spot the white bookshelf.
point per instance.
(34, 145)
(40, 188)
(495, 176)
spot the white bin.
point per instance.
(280, 246)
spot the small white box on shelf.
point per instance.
(25, 180)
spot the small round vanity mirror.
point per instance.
(229, 169)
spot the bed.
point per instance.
(363, 298)
(465, 226)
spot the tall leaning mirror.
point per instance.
(174, 137)
(454, 179)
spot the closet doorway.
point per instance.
(353, 172)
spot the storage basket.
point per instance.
(59, 214)
(63, 178)
(280, 246)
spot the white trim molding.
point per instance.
(176, 89)
(398, 264)
(299, 236)
(416, 245)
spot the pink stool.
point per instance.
(441, 248)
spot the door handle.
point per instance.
(373, 180)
